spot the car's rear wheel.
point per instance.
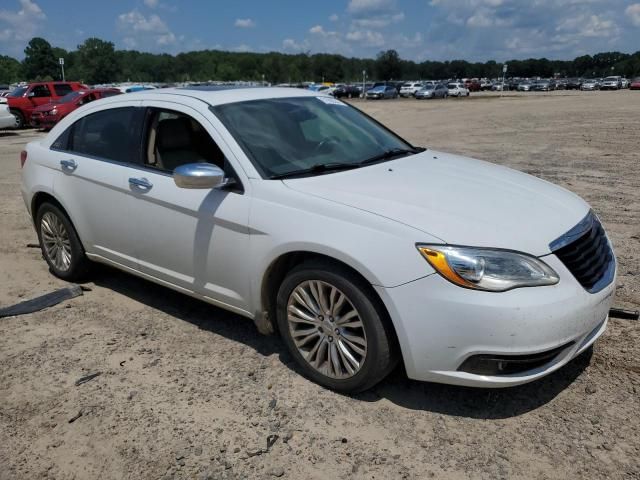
(334, 328)
(60, 245)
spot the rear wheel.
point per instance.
(60, 245)
(334, 329)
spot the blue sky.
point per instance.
(475, 30)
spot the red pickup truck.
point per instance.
(23, 100)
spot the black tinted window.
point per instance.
(62, 89)
(41, 91)
(107, 134)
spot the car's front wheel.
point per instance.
(60, 245)
(19, 119)
(334, 327)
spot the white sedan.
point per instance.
(457, 90)
(301, 213)
(7, 120)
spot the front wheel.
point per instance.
(334, 328)
(60, 245)
(19, 119)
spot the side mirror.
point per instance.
(199, 175)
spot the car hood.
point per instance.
(459, 200)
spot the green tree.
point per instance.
(95, 61)
(10, 70)
(388, 65)
(40, 61)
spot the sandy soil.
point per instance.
(190, 391)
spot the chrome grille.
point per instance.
(587, 254)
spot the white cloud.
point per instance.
(633, 12)
(290, 45)
(20, 26)
(244, 23)
(367, 37)
(378, 21)
(367, 6)
(334, 17)
(146, 32)
(151, 3)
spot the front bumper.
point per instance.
(440, 326)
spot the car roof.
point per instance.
(219, 95)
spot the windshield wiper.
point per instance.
(317, 168)
(391, 153)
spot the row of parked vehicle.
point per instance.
(43, 104)
(387, 90)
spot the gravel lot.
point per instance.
(190, 391)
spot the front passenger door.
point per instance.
(193, 239)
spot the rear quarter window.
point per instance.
(62, 89)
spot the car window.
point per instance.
(18, 92)
(62, 89)
(108, 134)
(41, 91)
(288, 134)
(174, 139)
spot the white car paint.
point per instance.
(457, 90)
(218, 246)
(7, 120)
(409, 89)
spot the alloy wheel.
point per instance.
(55, 241)
(326, 329)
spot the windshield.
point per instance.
(70, 97)
(428, 87)
(284, 135)
(18, 92)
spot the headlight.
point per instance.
(487, 269)
(52, 112)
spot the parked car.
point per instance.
(344, 238)
(542, 86)
(472, 85)
(348, 91)
(625, 82)
(433, 91)
(7, 120)
(635, 84)
(574, 84)
(23, 100)
(486, 85)
(611, 83)
(525, 86)
(457, 89)
(382, 92)
(590, 84)
(47, 115)
(409, 89)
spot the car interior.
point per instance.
(175, 139)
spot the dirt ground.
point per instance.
(191, 391)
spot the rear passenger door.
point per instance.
(91, 158)
(194, 239)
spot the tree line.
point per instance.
(97, 61)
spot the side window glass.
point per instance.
(41, 91)
(62, 89)
(108, 134)
(175, 139)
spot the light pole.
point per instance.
(61, 61)
(504, 72)
(364, 77)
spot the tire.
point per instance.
(60, 245)
(19, 119)
(368, 325)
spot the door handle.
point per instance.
(70, 165)
(140, 183)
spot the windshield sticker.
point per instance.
(331, 101)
